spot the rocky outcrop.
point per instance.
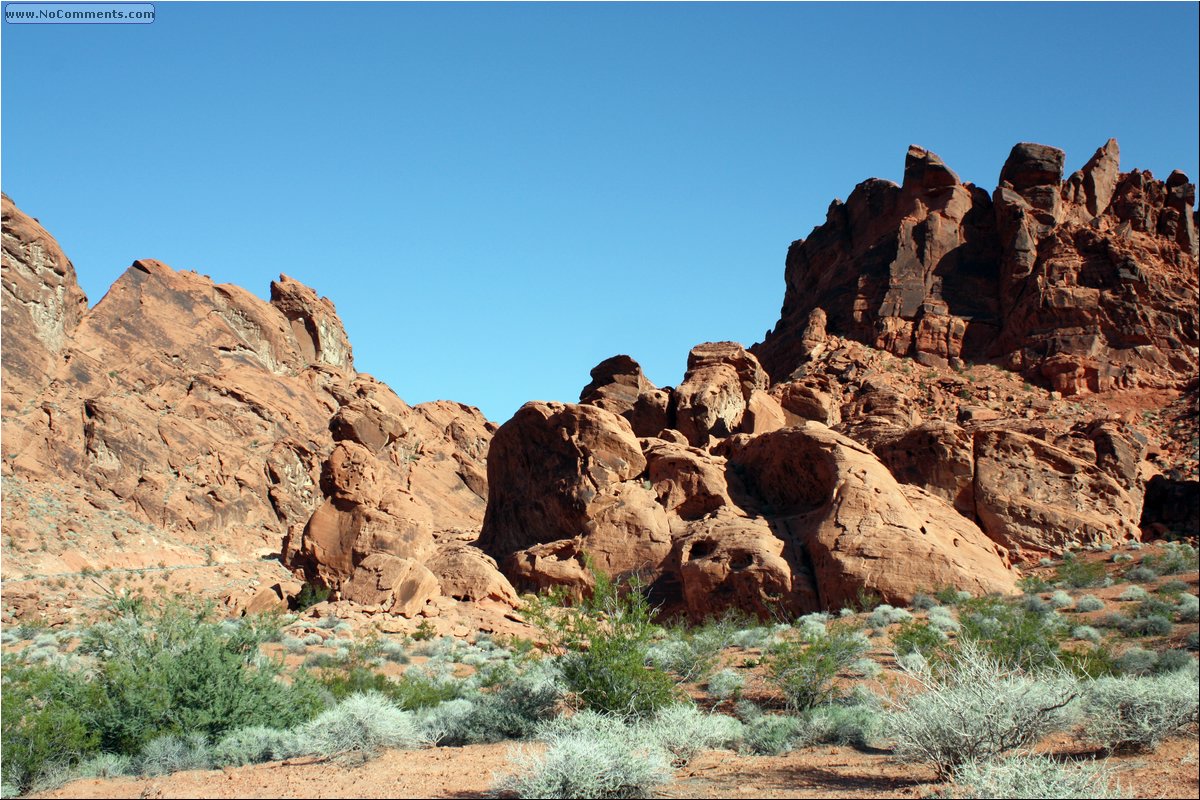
(42, 306)
(1084, 285)
(792, 520)
(183, 422)
(1036, 498)
(560, 471)
(721, 380)
(618, 385)
(844, 514)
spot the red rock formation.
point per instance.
(1088, 284)
(186, 422)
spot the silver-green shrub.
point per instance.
(361, 725)
(726, 684)
(254, 745)
(1034, 777)
(603, 760)
(171, 753)
(1129, 713)
(977, 709)
(1089, 602)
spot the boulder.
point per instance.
(559, 471)
(392, 584)
(618, 385)
(1035, 498)
(840, 511)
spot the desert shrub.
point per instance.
(1121, 558)
(1034, 584)
(923, 602)
(805, 671)
(918, 637)
(1078, 573)
(884, 615)
(1140, 574)
(1136, 661)
(254, 745)
(1137, 713)
(49, 719)
(310, 594)
(294, 645)
(726, 684)
(977, 708)
(943, 619)
(1089, 602)
(692, 653)
(170, 669)
(1153, 625)
(812, 626)
(1086, 633)
(1061, 599)
(1173, 588)
(751, 638)
(361, 725)
(1189, 608)
(1175, 557)
(609, 760)
(1011, 635)
(105, 765)
(1036, 605)
(605, 640)
(313, 639)
(684, 731)
(1172, 661)
(512, 710)
(1192, 642)
(865, 667)
(853, 723)
(171, 753)
(1034, 777)
(394, 651)
(772, 734)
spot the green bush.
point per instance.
(1089, 602)
(605, 641)
(805, 671)
(254, 745)
(512, 710)
(918, 637)
(1077, 573)
(360, 726)
(1012, 635)
(173, 670)
(726, 684)
(170, 753)
(50, 721)
(772, 734)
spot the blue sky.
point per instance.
(499, 196)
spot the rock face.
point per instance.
(42, 305)
(793, 519)
(1084, 285)
(191, 422)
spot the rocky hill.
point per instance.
(916, 419)
(1084, 284)
(182, 423)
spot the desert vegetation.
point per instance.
(989, 696)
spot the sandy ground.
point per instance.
(826, 771)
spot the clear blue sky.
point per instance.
(499, 196)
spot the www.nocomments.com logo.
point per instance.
(78, 13)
